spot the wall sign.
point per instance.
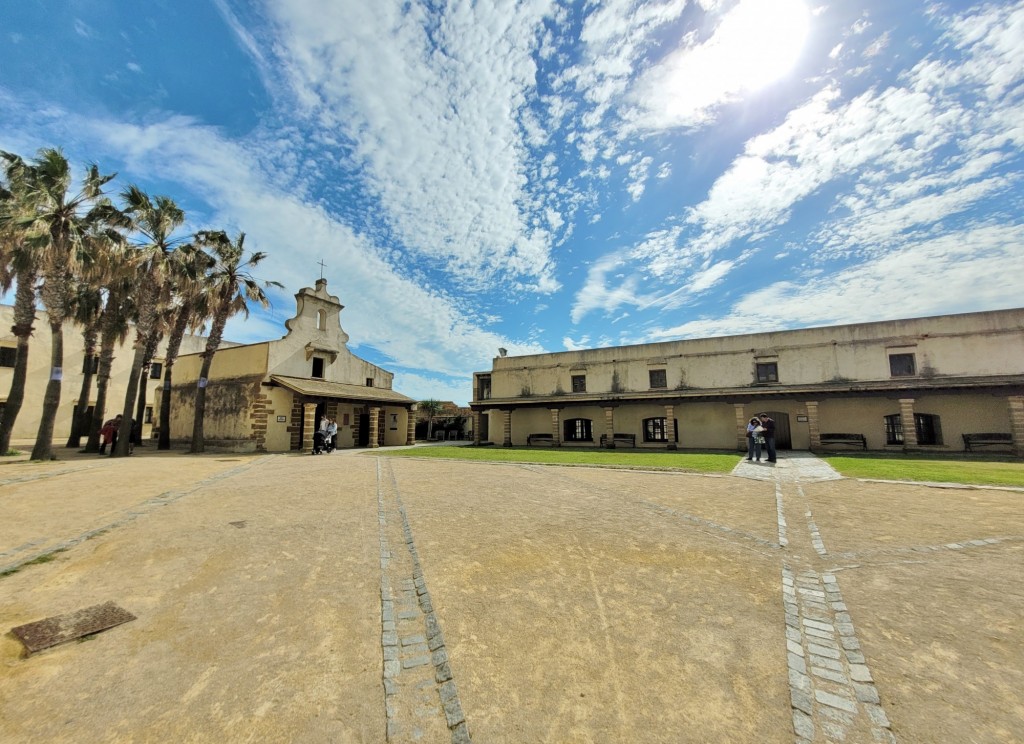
(282, 419)
(801, 419)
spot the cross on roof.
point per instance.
(322, 265)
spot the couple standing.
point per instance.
(761, 432)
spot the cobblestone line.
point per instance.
(721, 528)
(780, 515)
(420, 696)
(832, 693)
(47, 474)
(132, 513)
(986, 542)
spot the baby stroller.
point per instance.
(318, 442)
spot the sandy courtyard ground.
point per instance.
(357, 598)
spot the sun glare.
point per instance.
(759, 41)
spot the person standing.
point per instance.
(109, 433)
(754, 430)
(769, 435)
(332, 432)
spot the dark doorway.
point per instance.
(364, 429)
(783, 437)
(484, 434)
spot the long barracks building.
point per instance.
(945, 383)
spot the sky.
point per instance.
(552, 175)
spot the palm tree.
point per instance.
(430, 407)
(114, 327)
(19, 264)
(231, 287)
(57, 223)
(190, 314)
(155, 221)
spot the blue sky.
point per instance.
(542, 175)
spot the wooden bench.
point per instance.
(540, 439)
(987, 439)
(619, 438)
(843, 438)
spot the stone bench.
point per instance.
(619, 438)
(844, 438)
(987, 439)
(540, 439)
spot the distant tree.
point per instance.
(431, 408)
(231, 288)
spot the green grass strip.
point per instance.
(948, 469)
(694, 462)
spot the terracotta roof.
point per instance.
(325, 389)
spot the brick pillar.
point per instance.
(476, 427)
(258, 415)
(670, 427)
(741, 426)
(907, 420)
(1017, 423)
(556, 428)
(308, 426)
(410, 426)
(812, 423)
(609, 427)
(374, 427)
(507, 416)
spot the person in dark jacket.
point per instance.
(769, 435)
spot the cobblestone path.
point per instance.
(420, 697)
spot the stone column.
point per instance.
(308, 426)
(812, 423)
(507, 423)
(374, 427)
(258, 415)
(907, 421)
(670, 427)
(1017, 423)
(556, 427)
(609, 427)
(741, 426)
(476, 427)
(410, 426)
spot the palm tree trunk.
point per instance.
(173, 346)
(147, 363)
(78, 420)
(43, 449)
(216, 331)
(107, 340)
(24, 316)
(124, 434)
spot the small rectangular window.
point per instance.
(579, 383)
(149, 415)
(902, 365)
(155, 370)
(7, 354)
(369, 382)
(767, 372)
(659, 378)
(318, 367)
(90, 364)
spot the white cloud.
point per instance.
(435, 121)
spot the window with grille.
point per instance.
(902, 365)
(659, 378)
(579, 383)
(155, 370)
(656, 429)
(578, 430)
(926, 425)
(768, 372)
(148, 419)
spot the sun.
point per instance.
(759, 41)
